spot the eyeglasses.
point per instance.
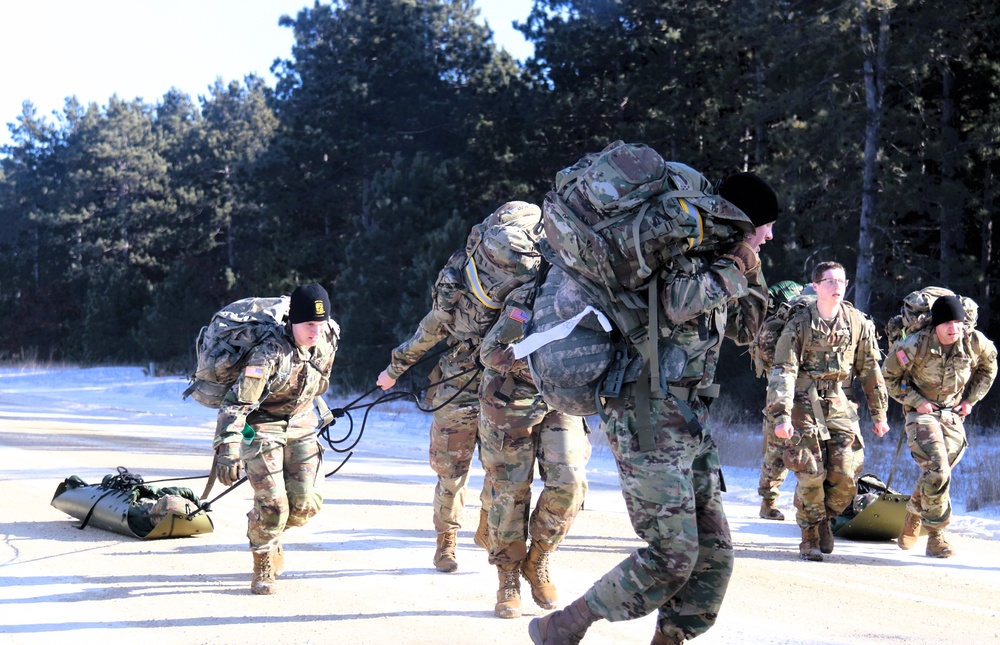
(829, 282)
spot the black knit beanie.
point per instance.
(310, 303)
(946, 309)
(752, 195)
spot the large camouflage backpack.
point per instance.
(786, 298)
(616, 221)
(501, 253)
(621, 215)
(762, 347)
(223, 346)
(915, 313)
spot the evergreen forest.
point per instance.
(395, 125)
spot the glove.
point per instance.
(746, 258)
(228, 465)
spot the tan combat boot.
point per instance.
(809, 547)
(278, 560)
(509, 595)
(937, 547)
(564, 627)
(535, 570)
(825, 536)
(661, 639)
(263, 574)
(769, 511)
(910, 532)
(444, 556)
(482, 536)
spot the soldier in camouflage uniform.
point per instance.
(267, 422)
(453, 430)
(820, 350)
(938, 374)
(673, 490)
(516, 430)
(772, 468)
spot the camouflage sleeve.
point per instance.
(866, 366)
(686, 296)
(896, 373)
(429, 333)
(986, 369)
(784, 371)
(495, 352)
(744, 324)
(246, 394)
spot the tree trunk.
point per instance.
(874, 46)
(950, 211)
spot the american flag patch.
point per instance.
(519, 315)
(254, 371)
(901, 355)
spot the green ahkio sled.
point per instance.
(124, 504)
(877, 512)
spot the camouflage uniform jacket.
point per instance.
(917, 370)
(704, 307)
(810, 350)
(295, 376)
(507, 393)
(440, 323)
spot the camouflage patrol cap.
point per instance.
(170, 504)
(752, 195)
(309, 303)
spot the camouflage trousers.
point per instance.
(772, 470)
(826, 470)
(453, 435)
(282, 465)
(937, 443)
(673, 496)
(560, 447)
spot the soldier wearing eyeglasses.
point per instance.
(817, 355)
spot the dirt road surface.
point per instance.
(361, 571)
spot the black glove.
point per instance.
(228, 465)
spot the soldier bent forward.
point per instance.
(273, 397)
(938, 374)
(516, 429)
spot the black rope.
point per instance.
(345, 411)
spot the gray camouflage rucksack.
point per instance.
(223, 346)
(616, 221)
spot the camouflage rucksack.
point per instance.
(787, 298)
(501, 254)
(615, 221)
(915, 313)
(621, 215)
(223, 346)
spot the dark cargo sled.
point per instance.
(124, 504)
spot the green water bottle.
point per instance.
(248, 434)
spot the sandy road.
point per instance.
(361, 573)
